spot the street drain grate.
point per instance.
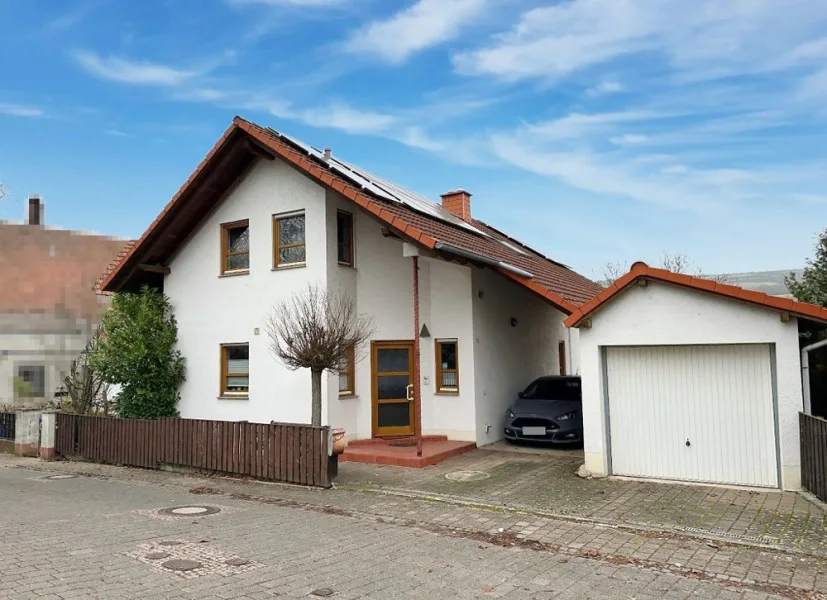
(322, 592)
(60, 477)
(186, 511)
(462, 476)
(182, 564)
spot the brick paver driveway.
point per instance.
(546, 482)
(100, 537)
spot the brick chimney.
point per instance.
(35, 210)
(458, 202)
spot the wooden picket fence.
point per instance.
(814, 455)
(278, 452)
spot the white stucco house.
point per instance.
(688, 379)
(265, 215)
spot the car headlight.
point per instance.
(509, 413)
(567, 416)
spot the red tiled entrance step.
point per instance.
(402, 452)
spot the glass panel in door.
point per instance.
(393, 407)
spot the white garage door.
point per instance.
(693, 413)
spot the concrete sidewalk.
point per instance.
(733, 566)
(545, 483)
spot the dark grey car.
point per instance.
(548, 410)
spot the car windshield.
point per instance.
(553, 389)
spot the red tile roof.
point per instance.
(641, 270)
(555, 282)
(52, 270)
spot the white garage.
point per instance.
(702, 413)
(686, 379)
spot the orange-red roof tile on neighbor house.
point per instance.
(557, 283)
(52, 271)
(641, 270)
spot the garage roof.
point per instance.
(641, 270)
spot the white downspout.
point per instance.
(805, 373)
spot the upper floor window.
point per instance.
(31, 381)
(235, 370)
(235, 247)
(447, 367)
(288, 240)
(344, 237)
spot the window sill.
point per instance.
(348, 265)
(348, 396)
(239, 397)
(235, 273)
(447, 393)
(289, 266)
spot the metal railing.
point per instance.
(8, 420)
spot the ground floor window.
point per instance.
(447, 367)
(347, 371)
(235, 370)
(31, 381)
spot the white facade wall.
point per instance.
(507, 358)
(212, 309)
(382, 282)
(663, 314)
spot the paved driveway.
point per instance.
(95, 537)
(546, 482)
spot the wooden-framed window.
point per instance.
(447, 367)
(235, 248)
(344, 238)
(288, 240)
(31, 381)
(347, 374)
(235, 370)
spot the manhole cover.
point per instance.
(157, 555)
(182, 564)
(323, 592)
(61, 477)
(236, 562)
(467, 475)
(402, 444)
(189, 511)
(170, 543)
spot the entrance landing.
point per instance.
(401, 452)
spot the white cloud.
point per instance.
(579, 125)
(301, 3)
(628, 139)
(116, 133)
(20, 110)
(699, 39)
(427, 23)
(605, 87)
(121, 70)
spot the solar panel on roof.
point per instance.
(382, 187)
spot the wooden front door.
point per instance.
(392, 388)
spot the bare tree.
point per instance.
(315, 329)
(677, 263)
(84, 384)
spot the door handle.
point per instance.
(409, 392)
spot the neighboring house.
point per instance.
(688, 379)
(48, 307)
(264, 215)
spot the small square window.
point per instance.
(347, 372)
(235, 370)
(235, 247)
(288, 240)
(31, 381)
(344, 238)
(447, 367)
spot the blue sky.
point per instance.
(593, 130)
